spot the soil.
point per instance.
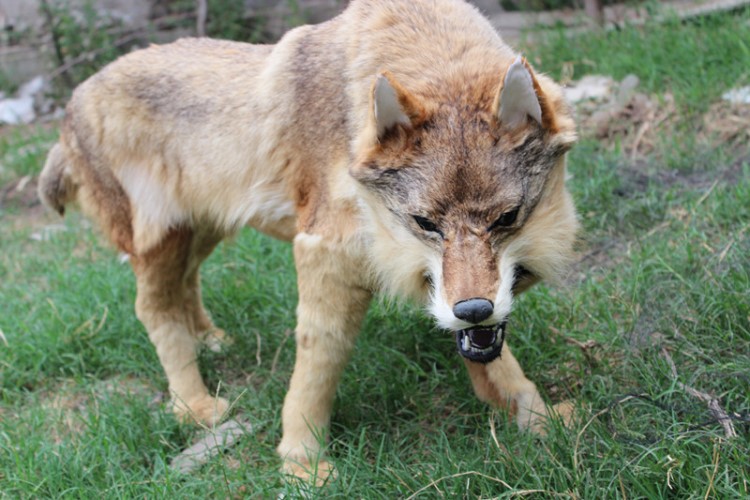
(20, 206)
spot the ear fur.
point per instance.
(388, 112)
(518, 97)
(392, 105)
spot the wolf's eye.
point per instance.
(505, 220)
(427, 225)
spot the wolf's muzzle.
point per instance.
(481, 344)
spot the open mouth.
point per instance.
(481, 343)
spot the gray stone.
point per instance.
(739, 95)
(589, 87)
(17, 111)
(626, 90)
(33, 88)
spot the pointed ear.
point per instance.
(392, 105)
(518, 97)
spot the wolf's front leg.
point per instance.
(332, 303)
(501, 382)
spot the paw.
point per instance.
(565, 411)
(205, 410)
(215, 340)
(317, 473)
(531, 412)
(536, 424)
(539, 421)
(535, 416)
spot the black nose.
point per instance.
(473, 310)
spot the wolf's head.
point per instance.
(464, 193)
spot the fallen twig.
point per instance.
(638, 138)
(257, 350)
(63, 69)
(503, 450)
(713, 473)
(713, 404)
(287, 334)
(706, 194)
(658, 227)
(211, 444)
(724, 252)
(583, 346)
(485, 476)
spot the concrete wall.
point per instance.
(25, 13)
(22, 14)
(20, 63)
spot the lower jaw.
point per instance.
(481, 353)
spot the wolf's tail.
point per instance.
(56, 187)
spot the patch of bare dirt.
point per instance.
(597, 257)
(20, 206)
(20, 192)
(639, 175)
(68, 406)
(726, 123)
(617, 114)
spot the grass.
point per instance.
(665, 266)
(695, 60)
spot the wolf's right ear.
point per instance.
(392, 105)
(518, 97)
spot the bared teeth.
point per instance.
(481, 344)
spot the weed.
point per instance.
(84, 39)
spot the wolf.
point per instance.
(402, 148)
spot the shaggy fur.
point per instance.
(402, 147)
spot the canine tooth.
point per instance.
(466, 343)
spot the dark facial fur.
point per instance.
(459, 171)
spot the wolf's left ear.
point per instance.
(392, 105)
(519, 97)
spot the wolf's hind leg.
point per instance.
(213, 337)
(502, 382)
(167, 308)
(206, 332)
